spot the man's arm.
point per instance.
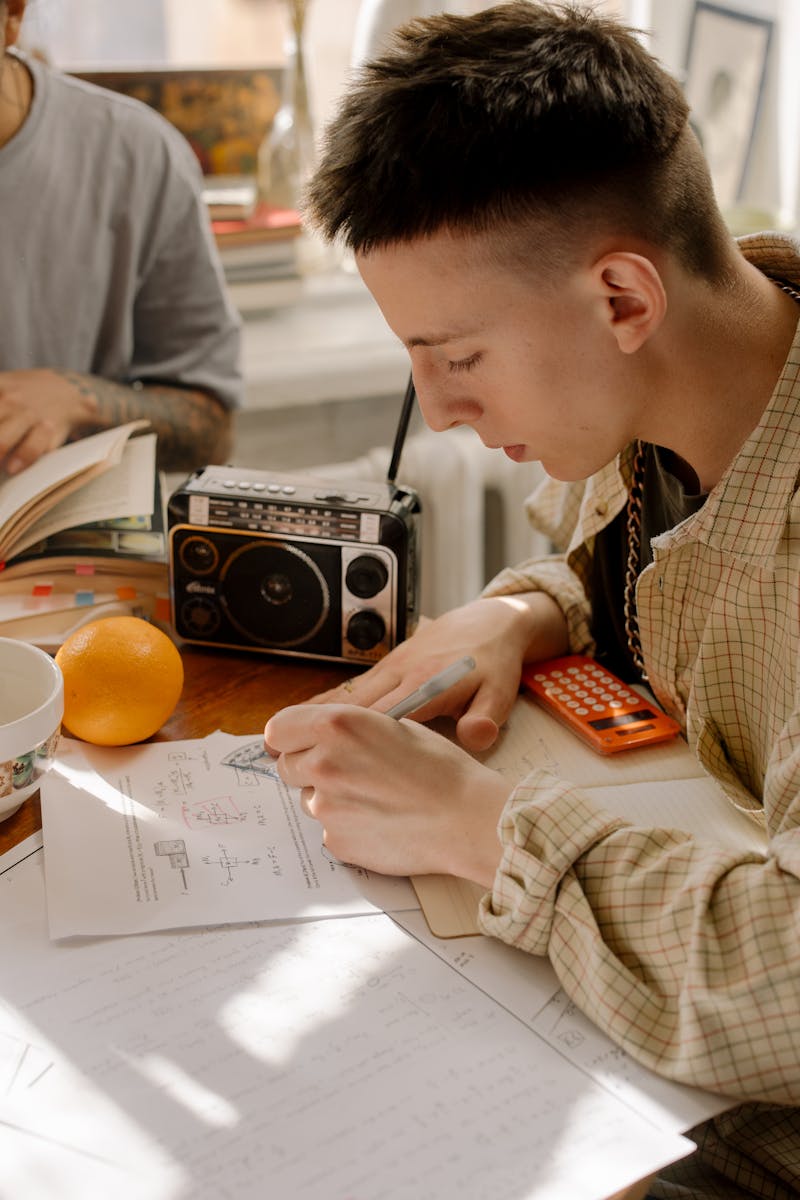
(43, 408)
(193, 427)
(683, 951)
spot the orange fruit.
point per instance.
(122, 680)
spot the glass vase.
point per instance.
(286, 156)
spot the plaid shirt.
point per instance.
(687, 954)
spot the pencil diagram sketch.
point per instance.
(229, 863)
(175, 850)
(251, 758)
(214, 811)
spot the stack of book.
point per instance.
(257, 244)
(82, 535)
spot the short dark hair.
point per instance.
(519, 113)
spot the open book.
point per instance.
(659, 786)
(82, 529)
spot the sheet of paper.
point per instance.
(528, 987)
(201, 832)
(696, 806)
(314, 1061)
(23, 849)
(657, 786)
(532, 738)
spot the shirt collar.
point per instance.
(745, 514)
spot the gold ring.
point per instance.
(347, 685)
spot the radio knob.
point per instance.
(366, 576)
(366, 629)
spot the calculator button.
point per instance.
(557, 674)
(615, 704)
(582, 694)
(598, 708)
(606, 696)
(582, 712)
(573, 704)
(540, 678)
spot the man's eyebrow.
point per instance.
(437, 339)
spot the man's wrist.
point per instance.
(537, 622)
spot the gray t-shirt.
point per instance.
(107, 262)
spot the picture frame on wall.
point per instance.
(726, 69)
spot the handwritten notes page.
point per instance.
(529, 988)
(173, 834)
(319, 1061)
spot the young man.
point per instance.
(531, 210)
(113, 305)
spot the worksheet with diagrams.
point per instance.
(199, 832)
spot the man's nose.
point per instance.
(438, 413)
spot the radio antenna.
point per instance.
(402, 429)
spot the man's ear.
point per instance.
(634, 297)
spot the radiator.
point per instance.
(473, 521)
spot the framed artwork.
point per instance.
(726, 66)
(224, 114)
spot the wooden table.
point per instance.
(229, 690)
(236, 692)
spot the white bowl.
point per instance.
(31, 708)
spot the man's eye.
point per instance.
(465, 364)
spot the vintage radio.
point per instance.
(292, 564)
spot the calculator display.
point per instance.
(644, 714)
(596, 705)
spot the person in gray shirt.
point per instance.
(112, 299)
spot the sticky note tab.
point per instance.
(163, 609)
(84, 598)
(42, 589)
(126, 593)
(84, 568)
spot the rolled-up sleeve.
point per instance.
(684, 952)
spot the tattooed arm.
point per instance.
(43, 408)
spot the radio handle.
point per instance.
(402, 429)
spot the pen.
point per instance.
(432, 687)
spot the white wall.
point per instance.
(241, 32)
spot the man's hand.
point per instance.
(392, 796)
(39, 409)
(500, 633)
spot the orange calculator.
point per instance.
(601, 709)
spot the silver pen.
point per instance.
(432, 687)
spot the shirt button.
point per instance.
(601, 508)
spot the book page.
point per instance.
(313, 1061)
(25, 496)
(126, 489)
(200, 832)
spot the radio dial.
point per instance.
(199, 555)
(366, 576)
(366, 629)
